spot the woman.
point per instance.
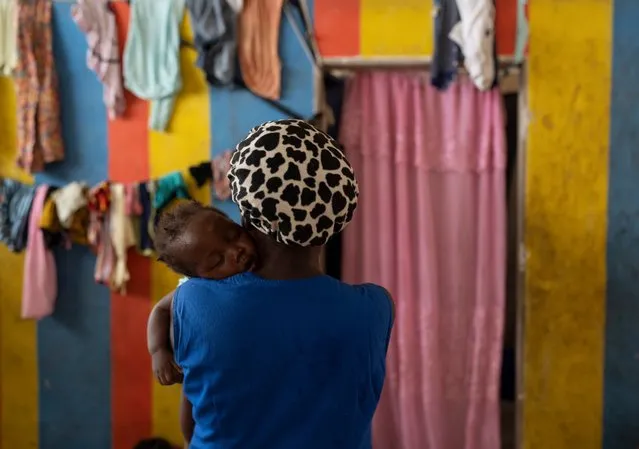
(284, 357)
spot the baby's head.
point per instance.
(201, 241)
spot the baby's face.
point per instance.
(216, 247)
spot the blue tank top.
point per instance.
(281, 364)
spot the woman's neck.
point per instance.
(282, 264)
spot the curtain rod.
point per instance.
(366, 62)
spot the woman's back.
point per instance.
(281, 364)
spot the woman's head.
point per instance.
(200, 241)
(293, 183)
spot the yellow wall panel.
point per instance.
(18, 350)
(396, 28)
(186, 142)
(565, 231)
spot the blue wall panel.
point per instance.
(73, 344)
(621, 388)
(235, 112)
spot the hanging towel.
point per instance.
(169, 188)
(36, 82)
(8, 34)
(15, 205)
(97, 21)
(122, 237)
(68, 200)
(214, 23)
(152, 56)
(39, 285)
(522, 31)
(475, 35)
(259, 28)
(446, 55)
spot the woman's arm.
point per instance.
(160, 342)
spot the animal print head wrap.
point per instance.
(293, 183)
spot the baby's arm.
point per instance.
(187, 424)
(160, 342)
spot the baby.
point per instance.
(195, 241)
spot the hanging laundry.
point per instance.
(236, 5)
(152, 56)
(259, 27)
(169, 188)
(99, 236)
(15, 206)
(122, 237)
(132, 195)
(68, 200)
(96, 19)
(75, 214)
(105, 260)
(201, 173)
(40, 287)
(475, 35)
(98, 202)
(146, 220)
(214, 25)
(522, 31)
(39, 133)
(8, 34)
(446, 54)
(221, 188)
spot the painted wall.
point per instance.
(581, 376)
(367, 28)
(81, 379)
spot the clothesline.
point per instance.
(109, 217)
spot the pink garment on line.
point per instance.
(40, 284)
(97, 21)
(431, 228)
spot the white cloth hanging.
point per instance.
(475, 35)
(8, 37)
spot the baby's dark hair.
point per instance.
(169, 228)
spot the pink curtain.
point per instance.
(431, 228)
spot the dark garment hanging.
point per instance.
(446, 55)
(15, 206)
(214, 25)
(52, 239)
(146, 244)
(202, 173)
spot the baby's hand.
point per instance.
(165, 369)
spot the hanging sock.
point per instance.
(475, 35)
(36, 81)
(446, 54)
(152, 56)
(259, 27)
(214, 26)
(97, 21)
(8, 34)
(40, 285)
